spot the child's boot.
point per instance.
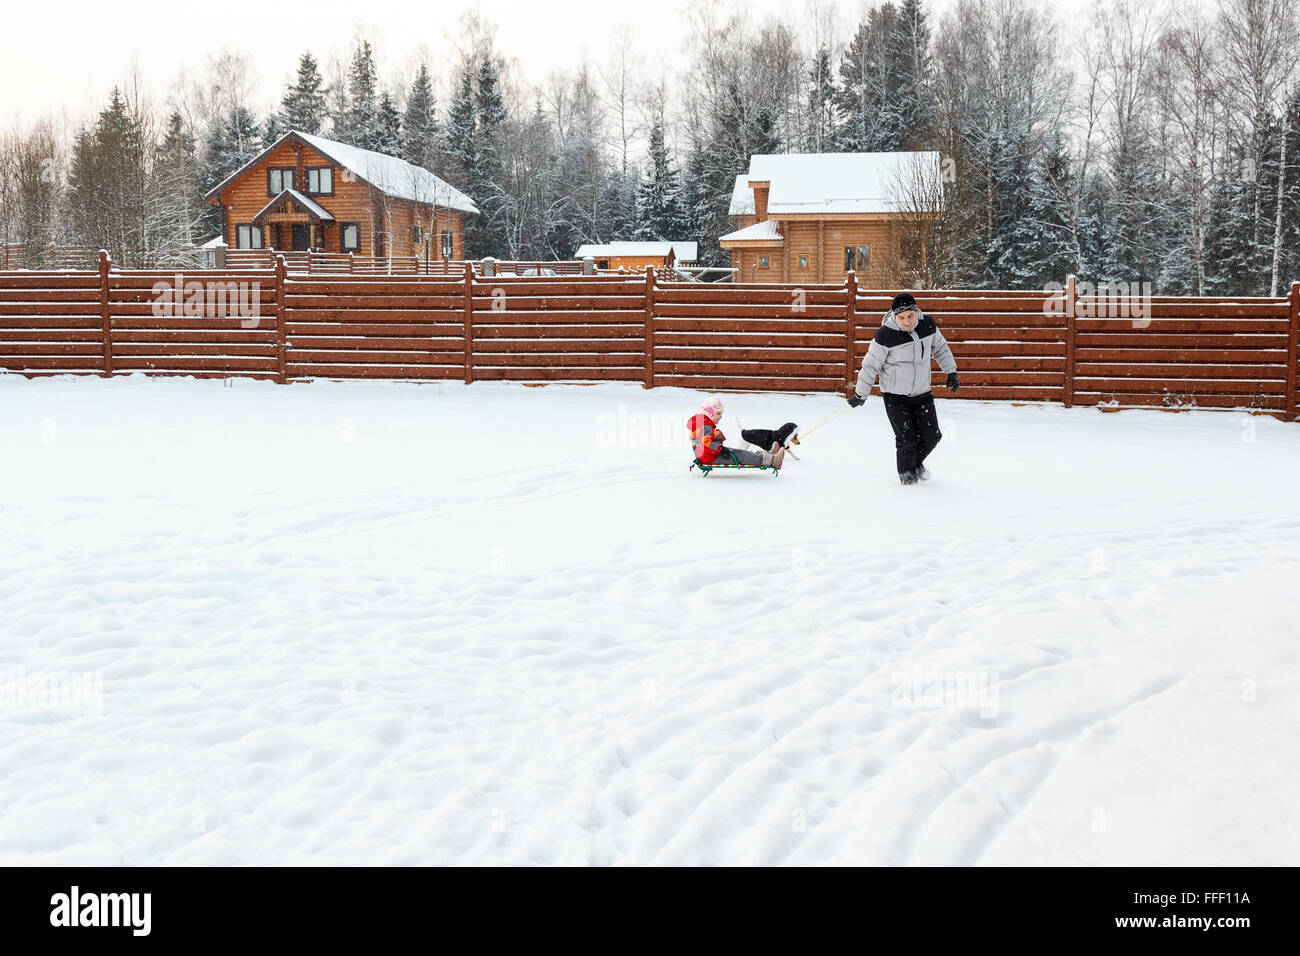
(777, 455)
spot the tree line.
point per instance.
(1158, 144)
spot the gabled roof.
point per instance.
(809, 183)
(314, 209)
(742, 198)
(764, 231)
(683, 251)
(390, 175)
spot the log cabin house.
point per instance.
(635, 256)
(307, 192)
(815, 216)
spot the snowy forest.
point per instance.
(1160, 144)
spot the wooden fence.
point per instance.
(1009, 345)
(251, 260)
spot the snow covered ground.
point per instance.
(393, 623)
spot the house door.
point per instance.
(301, 237)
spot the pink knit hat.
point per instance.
(713, 408)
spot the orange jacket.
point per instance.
(706, 437)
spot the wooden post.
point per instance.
(649, 326)
(821, 250)
(1293, 355)
(469, 323)
(352, 262)
(104, 312)
(851, 320)
(1071, 298)
(309, 260)
(278, 276)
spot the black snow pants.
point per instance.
(916, 428)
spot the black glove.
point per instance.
(954, 382)
(857, 401)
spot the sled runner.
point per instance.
(731, 464)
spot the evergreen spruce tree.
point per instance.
(387, 137)
(821, 104)
(420, 130)
(866, 104)
(303, 104)
(107, 184)
(912, 78)
(363, 102)
(460, 134)
(487, 175)
(659, 202)
(228, 145)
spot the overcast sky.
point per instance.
(64, 55)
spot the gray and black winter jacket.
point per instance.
(902, 359)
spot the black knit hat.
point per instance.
(902, 302)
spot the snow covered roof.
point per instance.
(833, 182)
(313, 207)
(682, 251)
(742, 198)
(214, 242)
(764, 231)
(393, 176)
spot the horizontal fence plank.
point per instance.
(9, 350)
(486, 330)
(372, 356)
(195, 362)
(777, 369)
(257, 350)
(344, 370)
(1187, 386)
(376, 301)
(750, 339)
(1236, 326)
(560, 374)
(558, 303)
(562, 359)
(555, 318)
(185, 337)
(558, 346)
(1176, 372)
(751, 384)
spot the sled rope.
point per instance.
(828, 418)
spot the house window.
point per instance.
(447, 246)
(856, 258)
(803, 262)
(417, 235)
(320, 180)
(350, 236)
(248, 236)
(278, 179)
(762, 262)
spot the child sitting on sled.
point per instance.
(707, 440)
